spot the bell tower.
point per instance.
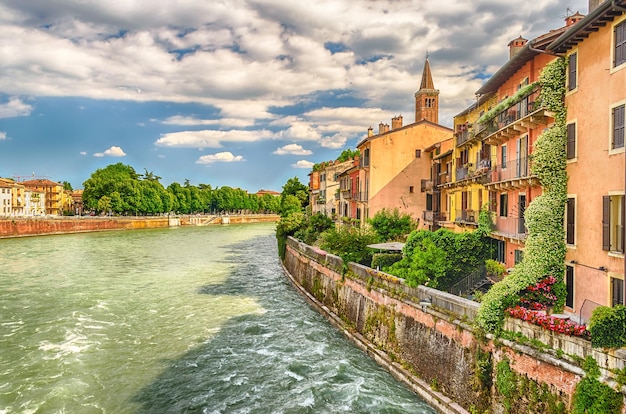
(427, 98)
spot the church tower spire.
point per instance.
(427, 98)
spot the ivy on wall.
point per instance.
(545, 245)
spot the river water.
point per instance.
(187, 320)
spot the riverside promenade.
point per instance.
(22, 226)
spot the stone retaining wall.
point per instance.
(428, 336)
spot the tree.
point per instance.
(391, 225)
(294, 187)
(348, 154)
(67, 186)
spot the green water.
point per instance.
(170, 321)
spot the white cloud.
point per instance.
(336, 141)
(303, 164)
(219, 157)
(190, 121)
(292, 149)
(210, 138)
(111, 152)
(3, 135)
(83, 153)
(14, 108)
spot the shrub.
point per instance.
(349, 243)
(592, 396)
(383, 260)
(391, 225)
(608, 327)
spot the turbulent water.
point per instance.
(188, 320)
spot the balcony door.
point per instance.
(522, 157)
(521, 224)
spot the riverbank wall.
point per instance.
(426, 338)
(22, 227)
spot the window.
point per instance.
(504, 205)
(569, 286)
(500, 250)
(411, 188)
(620, 44)
(571, 141)
(571, 71)
(617, 291)
(366, 157)
(613, 223)
(618, 127)
(519, 256)
(570, 220)
(493, 201)
(429, 202)
(503, 157)
(418, 153)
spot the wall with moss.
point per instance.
(456, 368)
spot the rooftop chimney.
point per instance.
(573, 19)
(396, 122)
(516, 45)
(370, 131)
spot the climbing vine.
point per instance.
(507, 103)
(545, 249)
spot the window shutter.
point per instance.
(618, 127)
(606, 216)
(571, 204)
(572, 71)
(571, 141)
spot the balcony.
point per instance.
(514, 174)
(510, 228)
(433, 216)
(426, 185)
(516, 119)
(467, 217)
(463, 136)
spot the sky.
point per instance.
(241, 93)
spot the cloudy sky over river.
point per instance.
(239, 93)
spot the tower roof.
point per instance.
(427, 77)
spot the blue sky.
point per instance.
(234, 93)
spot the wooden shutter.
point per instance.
(572, 71)
(571, 204)
(569, 285)
(618, 127)
(620, 44)
(571, 141)
(606, 217)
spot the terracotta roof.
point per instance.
(599, 17)
(532, 48)
(39, 182)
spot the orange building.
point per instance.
(392, 164)
(595, 49)
(508, 131)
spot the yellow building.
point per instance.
(392, 165)
(53, 194)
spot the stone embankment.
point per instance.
(20, 227)
(426, 338)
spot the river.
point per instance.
(184, 320)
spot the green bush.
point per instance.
(349, 243)
(383, 260)
(391, 225)
(594, 397)
(494, 268)
(608, 327)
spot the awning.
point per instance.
(395, 246)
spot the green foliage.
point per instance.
(594, 397)
(507, 103)
(494, 268)
(608, 327)
(505, 382)
(129, 192)
(383, 260)
(441, 258)
(349, 243)
(294, 187)
(348, 154)
(545, 244)
(391, 225)
(312, 227)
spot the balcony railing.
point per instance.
(444, 178)
(427, 185)
(510, 227)
(514, 169)
(433, 216)
(466, 216)
(523, 107)
(462, 173)
(462, 137)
